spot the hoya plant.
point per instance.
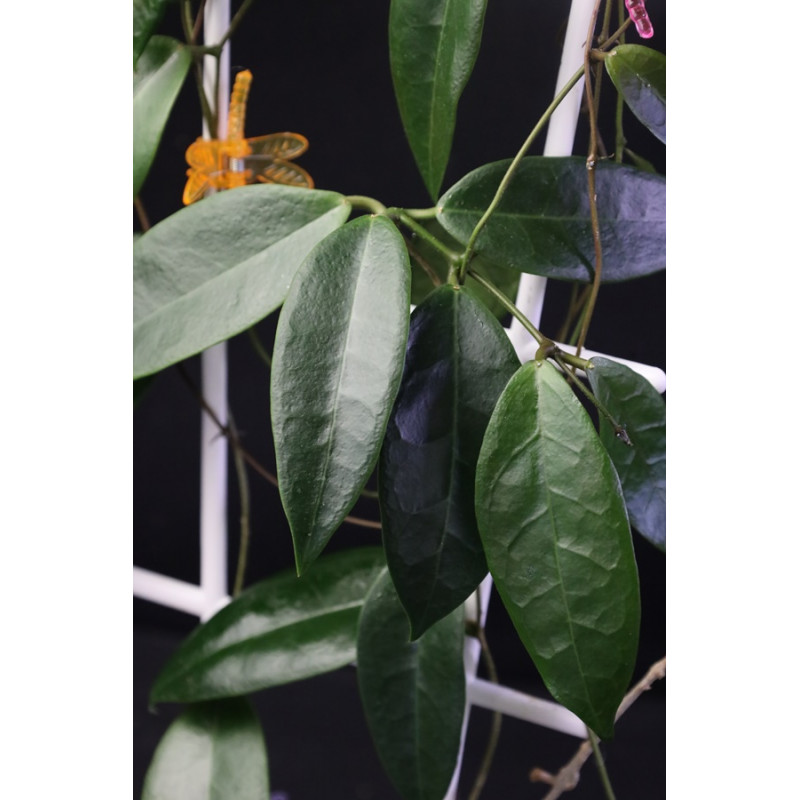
(392, 377)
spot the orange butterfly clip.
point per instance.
(236, 161)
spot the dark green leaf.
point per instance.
(146, 16)
(426, 258)
(433, 45)
(634, 403)
(554, 528)
(413, 693)
(217, 267)
(213, 751)
(157, 80)
(640, 75)
(278, 631)
(338, 358)
(542, 225)
(458, 361)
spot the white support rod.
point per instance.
(214, 361)
(169, 591)
(525, 707)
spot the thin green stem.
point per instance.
(258, 346)
(601, 766)
(366, 203)
(619, 430)
(426, 267)
(244, 507)
(508, 305)
(236, 21)
(144, 220)
(400, 215)
(421, 213)
(512, 169)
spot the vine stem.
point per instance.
(401, 215)
(541, 340)
(247, 456)
(591, 165)
(601, 766)
(244, 511)
(366, 203)
(497, 717)
(568, 776)
(512, 169)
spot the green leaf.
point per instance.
(553, 524)
(425, 257)
(433, 45)
(157, 80)
(542, 225)
(146, 16)
(634, 403)
(640, 75)
(212, 751)
(413, 693)
(458, 361)
(217, 267)
(337, 362)
(278, 631)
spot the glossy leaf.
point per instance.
(157, 80)
(278, 631)
(337, 362)
(213, 751)
(413, 693)
(146, 16)
(553, 524)
(634, 403)
(425, 258)
(433, 45)
(640, 75)
(543, 225)
(458, 361)
(215, 268)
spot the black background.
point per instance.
(322, 69)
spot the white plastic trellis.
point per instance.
(205, 599)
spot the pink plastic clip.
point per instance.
(640, 19)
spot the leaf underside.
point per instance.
(634, 403)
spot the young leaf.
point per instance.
(458, 361)
(337, 363)
(146, 16)
(554, 528)
(633, 402)
(433, 45)
(640, 75)
(278, 631)
(213, 751)
(543, 225)
(217, 267)
(157, 80)
(413, 693)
